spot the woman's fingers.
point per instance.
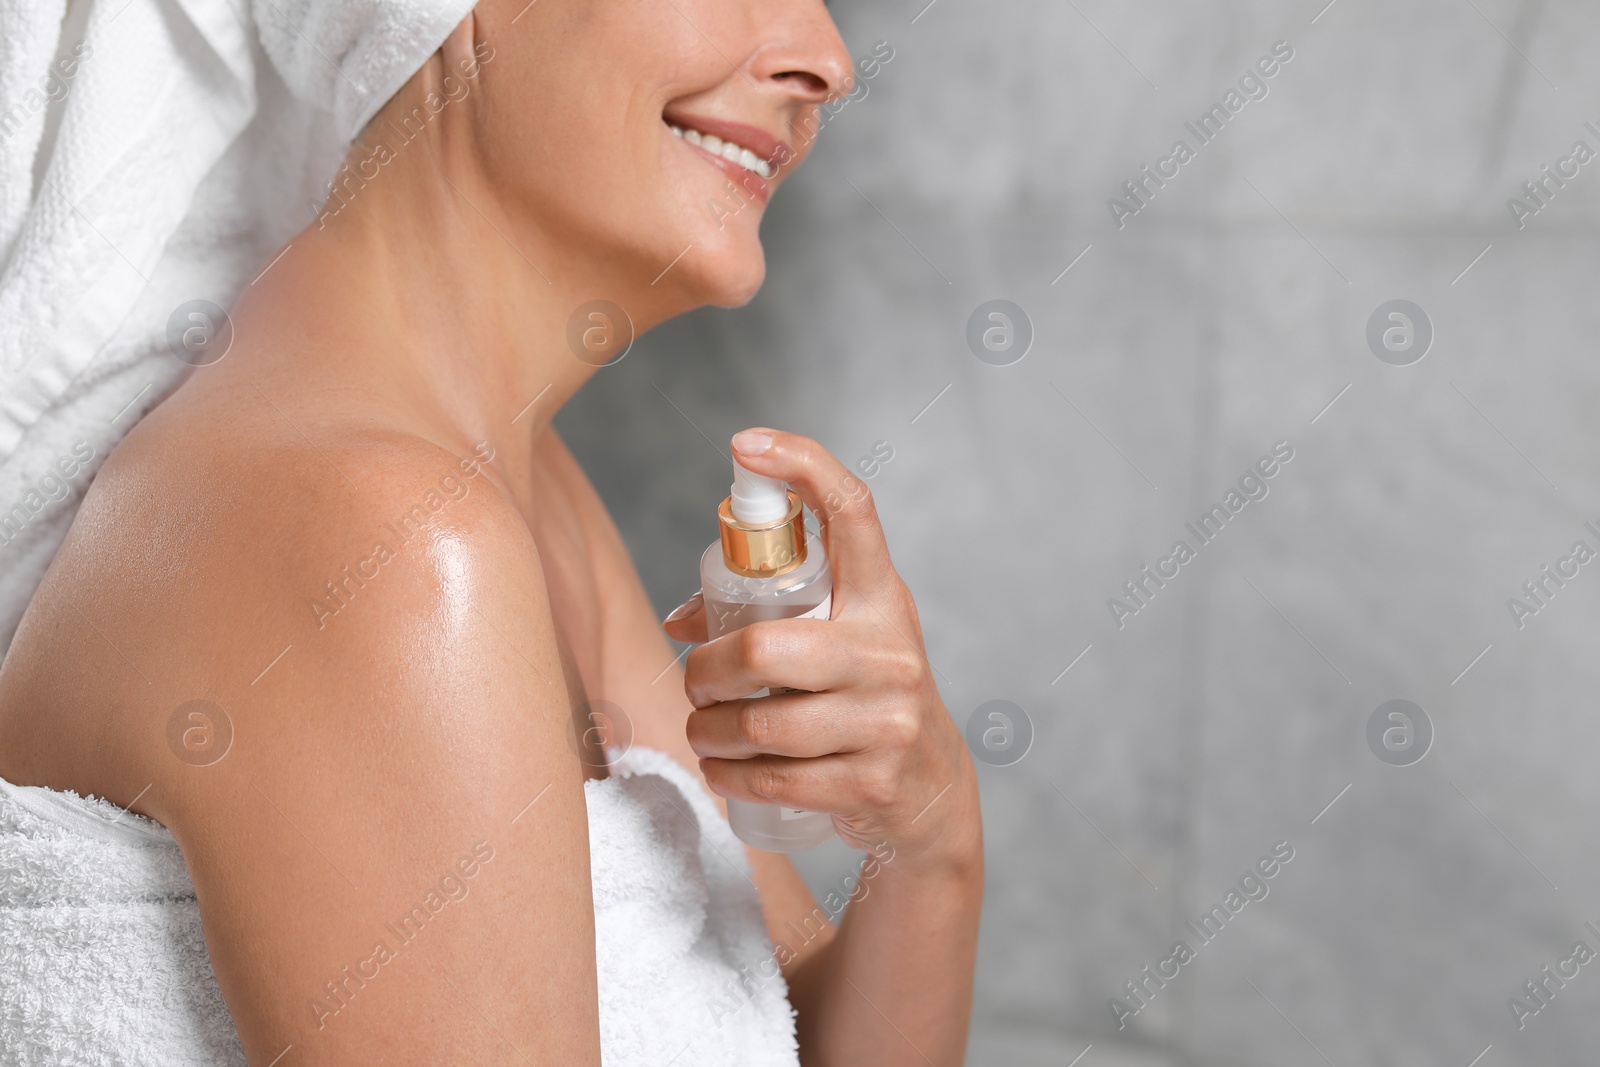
(838, 784)
(841, 501)
(800, 725)
(809, 654)
(687, 621)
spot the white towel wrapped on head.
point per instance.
(351, 56)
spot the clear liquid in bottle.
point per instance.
(792, 580)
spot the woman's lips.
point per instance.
(747, 180)
(753, 149)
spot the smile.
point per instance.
(729, 150)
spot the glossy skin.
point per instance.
(433, 724)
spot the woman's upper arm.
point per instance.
(392, 860)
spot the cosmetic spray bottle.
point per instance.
(766, 565)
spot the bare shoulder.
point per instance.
(334, 666)
(275, 509)
(287, 560)
(214, 546)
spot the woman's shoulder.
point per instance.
(262, 562)
(281, 500)
(298, 467)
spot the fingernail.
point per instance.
(752, 443)
(686, 608)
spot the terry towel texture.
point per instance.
(102, 961)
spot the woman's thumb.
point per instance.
(687, 621)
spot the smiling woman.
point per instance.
(421, 326)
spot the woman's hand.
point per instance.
(869, 739)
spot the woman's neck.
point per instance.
(425, 291)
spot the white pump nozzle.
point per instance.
(757, 498)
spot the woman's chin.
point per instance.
(730, 278)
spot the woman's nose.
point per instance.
(804, 54)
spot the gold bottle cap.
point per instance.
(763, 550)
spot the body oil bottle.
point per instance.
(766, 565)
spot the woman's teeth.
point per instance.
(727, 150)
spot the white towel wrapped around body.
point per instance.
(103, 964)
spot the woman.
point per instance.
(428, 714)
